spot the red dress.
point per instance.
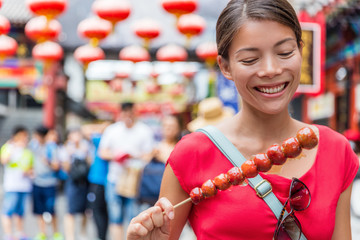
(238, 213)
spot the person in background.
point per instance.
(171, 133)
(54, 149)
(265, 66)
(210, 112)
(76, 148)
(171, 127)
(18, 171)
(97, 178)
(123, 143)
(149, 188)
(45, 184)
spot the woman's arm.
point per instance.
(342, 229)
(172, 190)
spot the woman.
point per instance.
(259, 45)
(171, 134)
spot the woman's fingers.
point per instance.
(157, 217)
(166, 207)
(136, 231)
(146, 219)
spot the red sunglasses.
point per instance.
(289, 227)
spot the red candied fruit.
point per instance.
(262, 162)
(208, 189)
(249, 169)
(276, 155)
(221, 182)
(307, 138)
(235, 176)
(291, 147)
(196, 195)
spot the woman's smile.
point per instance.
(271, 89)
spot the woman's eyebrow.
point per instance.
(251, 49)
(283, 41)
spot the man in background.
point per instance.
(124, 143)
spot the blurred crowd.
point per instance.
(107, 170)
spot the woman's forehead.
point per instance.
(254, 32)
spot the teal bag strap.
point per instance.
(261, 186)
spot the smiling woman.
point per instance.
(266, 73)
(259, 45)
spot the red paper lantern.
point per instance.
(191, 25)
(47, 51)
(171, 53)
(147, 29)
(87, 53)
(207, 52)
(95, 29)
(47, 8)
(0, 3)
(179, 7)
(8, 46)
(4, 25)
(39, 29)
(134, 53)
(112, 10)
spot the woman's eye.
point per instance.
(286, 54)
(249, 61)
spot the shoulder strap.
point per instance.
(261, 186)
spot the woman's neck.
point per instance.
(267, 127)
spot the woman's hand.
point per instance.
(152, 224)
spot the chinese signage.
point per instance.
(310, 81)
(16, 73)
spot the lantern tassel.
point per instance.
(94, 42)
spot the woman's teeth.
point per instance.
(272, 89)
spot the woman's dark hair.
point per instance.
(237, 12)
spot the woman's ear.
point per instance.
(224, 67)
(301, 47)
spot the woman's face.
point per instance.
(265, 63)
(170, 128)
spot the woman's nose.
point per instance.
(270, 67)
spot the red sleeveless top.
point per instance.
(238, 213)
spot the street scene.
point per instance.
(169, 119)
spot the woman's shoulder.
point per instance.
(195, 140)
(328, 134)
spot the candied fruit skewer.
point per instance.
(222, 182)
(275, 155)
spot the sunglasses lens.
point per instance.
(289, 229)
(299, 196)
